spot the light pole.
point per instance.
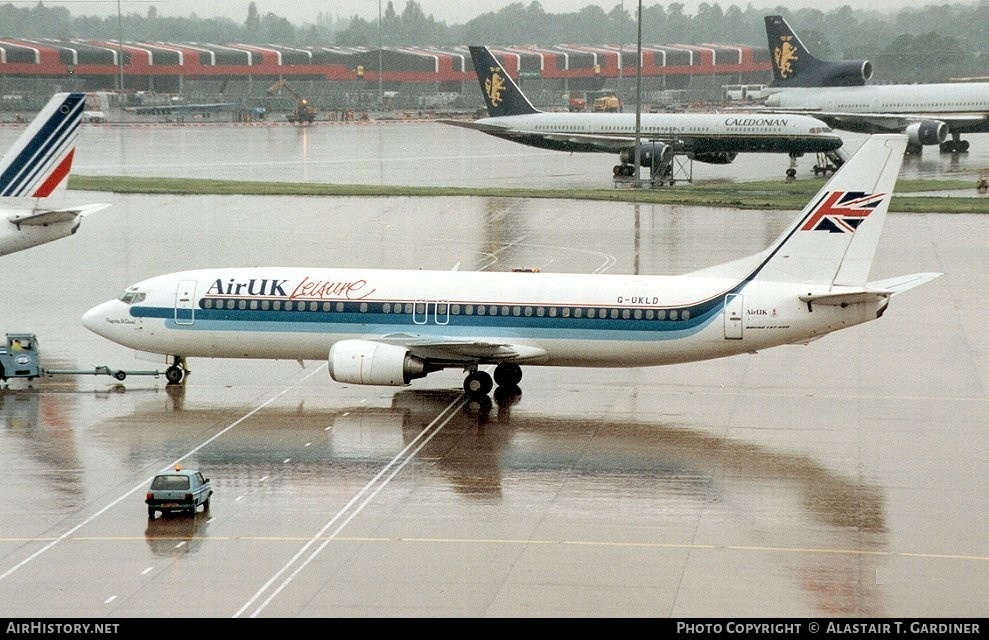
(381, 92)
(621, 47)
(120, 45)
(638, 103)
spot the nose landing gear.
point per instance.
(177, 371)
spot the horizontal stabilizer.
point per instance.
(900, 284)
(874, 291)
(493, 129)
(847, 298)
(54, 216)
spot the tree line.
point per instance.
(917, 44)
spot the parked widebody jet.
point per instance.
(389, 327)
(836, 93)
(714, 138)
(35, 171)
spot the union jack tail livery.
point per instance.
(38, 164)
(834, 239)
(842, 212)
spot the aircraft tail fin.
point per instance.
(794, 66)
(834, 239)
(501, 95)
(39, 162)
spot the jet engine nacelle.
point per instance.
(846, 73)
(650, 151)
(927, 132)
(720, 157)
(367, 362)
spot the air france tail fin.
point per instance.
(501, 95)
(834, 239)
(794, 66)
(39, 162)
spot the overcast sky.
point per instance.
(448, 11)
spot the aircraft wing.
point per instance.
(467, 351)
(586, 142)
(53, 216)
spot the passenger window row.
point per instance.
(443, 309)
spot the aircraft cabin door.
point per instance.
(425, 311)
(733, 316)
(185, 299)
(442, 312)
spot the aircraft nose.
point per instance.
(99, 319)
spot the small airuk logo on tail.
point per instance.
(842, 211)
(784, 56)
(494, 86)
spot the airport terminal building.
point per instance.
(342, 78)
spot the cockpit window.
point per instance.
(132, 297)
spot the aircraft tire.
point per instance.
(477, 384)
(120, 375)
(507, 374)
(174, 375)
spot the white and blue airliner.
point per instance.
(389, 327)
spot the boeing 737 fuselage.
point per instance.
(389, 327)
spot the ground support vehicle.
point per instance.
(178, 491)
(20, 357)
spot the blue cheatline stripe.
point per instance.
(42, 152)
(351, 320)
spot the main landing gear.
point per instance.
(791, 171)
(177, 371)
(955, 145)
(479, 383)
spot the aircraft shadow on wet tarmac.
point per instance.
(472, 449)
(482, 446)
